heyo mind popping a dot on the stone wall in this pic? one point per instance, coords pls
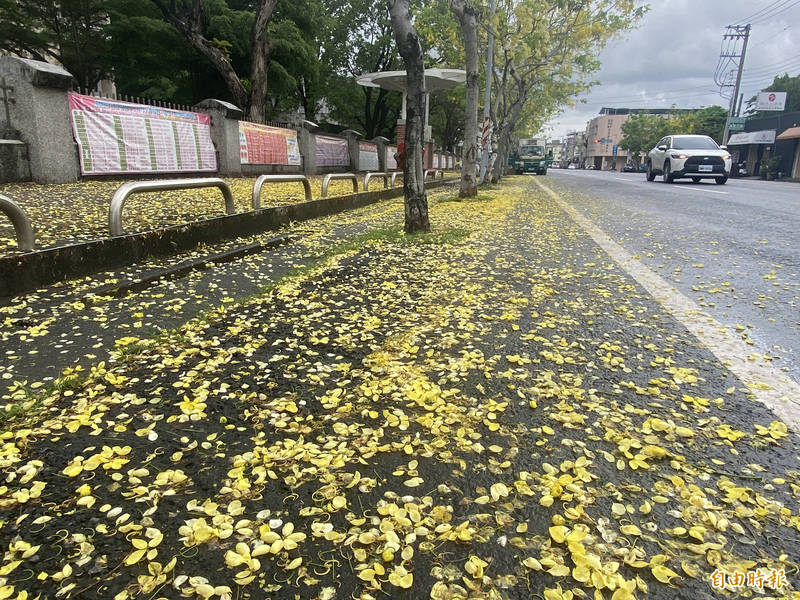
(40, 112)
(14, 165)
(46, 152)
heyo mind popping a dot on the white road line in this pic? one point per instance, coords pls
(686, 187)
(782, 395)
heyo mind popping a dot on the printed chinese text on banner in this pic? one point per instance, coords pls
(264, 145)
(367, 156)
(332, 152)
(123, 137)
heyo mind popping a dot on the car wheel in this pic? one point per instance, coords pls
(667, 174)
(721, 180)
(650, 175)
(696, 179)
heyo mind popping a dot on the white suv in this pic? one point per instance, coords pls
(695, 156)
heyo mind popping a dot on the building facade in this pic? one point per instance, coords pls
(604, 132)
(766, 138)
(575, 148)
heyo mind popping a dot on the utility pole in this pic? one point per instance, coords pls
(735, 33)
(486, 148)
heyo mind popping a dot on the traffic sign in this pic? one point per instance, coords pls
(736, 124)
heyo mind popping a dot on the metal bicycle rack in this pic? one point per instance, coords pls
(136, 187)
(259, 183)
(386, 175)
(397, 174)
(20, 221)
(327, 179)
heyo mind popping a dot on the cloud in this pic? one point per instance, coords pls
(670, 59)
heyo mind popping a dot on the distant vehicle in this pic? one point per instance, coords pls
(572, 166)
(695, 156)
(531, 156)
(629, 168)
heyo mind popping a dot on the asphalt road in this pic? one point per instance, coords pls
(734, 249)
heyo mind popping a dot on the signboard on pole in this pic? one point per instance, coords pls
(124, 137)
(771, 101)
(264, 145)
(736, 123)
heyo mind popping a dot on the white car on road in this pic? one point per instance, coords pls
(695, 156)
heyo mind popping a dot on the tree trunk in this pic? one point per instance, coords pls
(416, 201)
(260, 51)
(468, 18)
(507, 127)
(503, 141)
(189, 23)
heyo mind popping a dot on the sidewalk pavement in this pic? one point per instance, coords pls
(492, 411)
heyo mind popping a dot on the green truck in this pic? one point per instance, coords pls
(530, 156)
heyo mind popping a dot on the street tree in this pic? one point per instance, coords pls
(447, 117)
(358, 41)
(69, 32)
(641, 133)
(781, 83)
(188, 17)
(408, 44)
(468, 16)
(548, 48)
(710, 121)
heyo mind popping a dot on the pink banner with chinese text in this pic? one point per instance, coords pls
(116, 137)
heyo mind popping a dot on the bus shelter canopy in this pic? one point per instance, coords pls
(435, 79)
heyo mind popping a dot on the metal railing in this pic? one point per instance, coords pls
(139, 100)
(20, 221)
(135, 187)
(259, 183)
(386, 176)
(327, 179)
(397, 174)
(433, 173)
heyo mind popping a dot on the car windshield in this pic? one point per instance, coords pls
(680, 142)
(535, 150)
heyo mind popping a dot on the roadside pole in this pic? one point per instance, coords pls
(486, 147)
(740, 32)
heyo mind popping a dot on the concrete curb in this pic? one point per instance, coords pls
(24, 272)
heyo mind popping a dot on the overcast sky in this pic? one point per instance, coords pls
(671, 58)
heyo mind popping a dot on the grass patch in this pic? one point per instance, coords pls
(27, 401)
(481, 197)
(396, 235)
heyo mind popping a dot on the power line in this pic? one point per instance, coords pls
(639, 100)
(770, 37)
(781, 64)
(769, 78)
(772, 15)
(755, 14)
(671, 91)
(770, 12)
